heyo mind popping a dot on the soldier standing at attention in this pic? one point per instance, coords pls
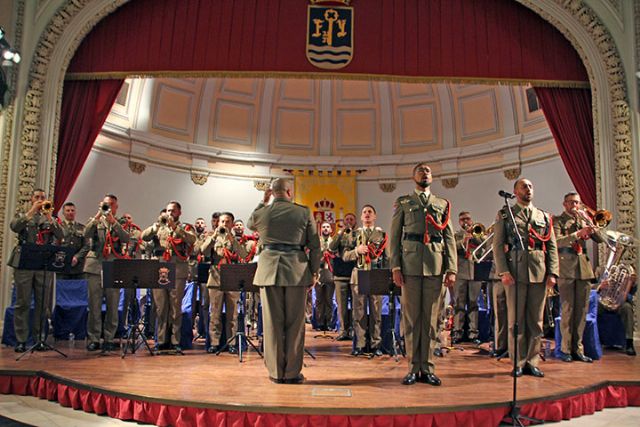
(534, 268)
(574, 284)
(35, 227)
(344, 241)
(74, 238)
(325, 287)
(287, 230)
(423, 254)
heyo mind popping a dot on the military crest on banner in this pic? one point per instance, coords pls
(330, 33)
(163, 276)
(323, 212)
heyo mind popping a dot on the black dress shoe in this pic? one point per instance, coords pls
(566, 357)
(476, 341)
(357, 351)
(20, 347)
(275, 380)
(499, 352)
(517, 372)
(177, 349)
(410, 379)
(456, 340)
(343, 337)
(212, 349)
(533, 371)
(629, 350)
(297, 380)
(108, 346)
(581, 358)
(93, 346)
(377, 352)
(430, 379)
(233, 349)
(438, 352)
(40, 347)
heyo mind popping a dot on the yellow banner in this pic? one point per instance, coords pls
(329, 196)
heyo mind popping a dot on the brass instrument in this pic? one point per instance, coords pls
(105, 209)
(617, 276)
(598, 219)
(47, 207)
(486, 235)
(361, 239)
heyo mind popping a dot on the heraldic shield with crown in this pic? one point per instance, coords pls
(330, 33)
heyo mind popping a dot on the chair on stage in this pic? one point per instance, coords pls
(70, 312)
(611, 329)
(590, 337)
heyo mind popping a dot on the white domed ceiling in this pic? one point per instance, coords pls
(258, 127)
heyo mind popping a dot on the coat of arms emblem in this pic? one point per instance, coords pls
(330, 33)
(163, 276)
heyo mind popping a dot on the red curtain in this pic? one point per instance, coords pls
(85, 107)
(568, 112)
(489, 39)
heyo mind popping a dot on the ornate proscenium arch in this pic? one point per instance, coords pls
(74, 20)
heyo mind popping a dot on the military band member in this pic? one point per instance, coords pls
(107, 242)
(34, 226)
(134, 248)
(250, 245)
(345, 240)
(73, 237)
(534, 268)
(423, 257)
(574, 284)
(625, 311)
(285, 270)
(369, 253)
(466, 289)
(325, 286)
(500, 315)
(176, 242)
(227, 250)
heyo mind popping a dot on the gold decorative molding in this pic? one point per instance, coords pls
(387, 187)
(199, 178)
(512, 173)
(261, 184)
(137, 167)
(450, 183)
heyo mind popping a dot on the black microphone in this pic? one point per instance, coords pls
(506, 195)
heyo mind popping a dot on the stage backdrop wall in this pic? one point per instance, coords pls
(145, 194)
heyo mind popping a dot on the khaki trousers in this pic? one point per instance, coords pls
(362, 323)
(574, 299)
(420, 300)
(30, 284)
(283, 320)
(217, 299)
(342, 298)
(95, 326)
(324, 304)
(500, 319)
(168, 304)
(466, 305)
(531, 298)
(625, 311)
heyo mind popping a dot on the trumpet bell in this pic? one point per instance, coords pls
(47, 206)
(602, 218)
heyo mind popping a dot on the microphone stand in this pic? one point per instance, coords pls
(514, 413)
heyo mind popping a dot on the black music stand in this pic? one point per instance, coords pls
(238, 278)
(138, 274)
(380, 282)
(46, 258)
(197, 301)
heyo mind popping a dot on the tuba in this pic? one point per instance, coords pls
(616, 280)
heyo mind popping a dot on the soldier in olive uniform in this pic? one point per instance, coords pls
(345, 240)
(325, 286)
(285, 270)
(176, 242)
(200, 300)
(73, 237)
(466, 288)
(369, 253)
(574, 284)
(250, 245)
(227, 250)
(34, 227)
(423, 250)
(534, 268)
(107, 241)
(500, 318)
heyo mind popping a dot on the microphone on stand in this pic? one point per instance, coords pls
(506, 195)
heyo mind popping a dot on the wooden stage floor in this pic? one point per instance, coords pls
(337, 383)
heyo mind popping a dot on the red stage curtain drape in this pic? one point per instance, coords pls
(85, 107)
(568, 112)
(490, 39)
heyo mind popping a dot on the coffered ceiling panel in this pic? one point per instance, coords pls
(174, 111)
(233, 123)
(295, 117)
(356, 117)
(415, 119)
(477, 116)
(295, 130)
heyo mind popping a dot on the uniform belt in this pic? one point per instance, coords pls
(567, 251)
(537, 247)
(283, 247)
(420, 237)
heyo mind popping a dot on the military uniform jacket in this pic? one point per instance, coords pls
(74, 238)
(284, 222)
(217, 243)
(28, 229)
(574, 262)
(177, 253)
(134, 247)
(537, 261)
(376, 237)
(339, 244)
(96, 231)
(326, 276)
(466, 266)
(408, 250)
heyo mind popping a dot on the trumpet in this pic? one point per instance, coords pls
(105, 209)
(600, 219)
(47, 207)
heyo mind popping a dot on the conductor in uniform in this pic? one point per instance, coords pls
(423, 253)
(530, 271)
(285, 270)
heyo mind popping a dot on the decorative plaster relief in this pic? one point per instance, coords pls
(450, 183)
(512, 174)
(137, 167)
(387, 187)
(199, 178)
